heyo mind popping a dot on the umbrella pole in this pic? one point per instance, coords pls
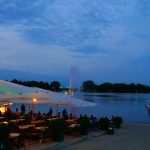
(32, 111)
(73, 110)
(56, 110)
(8, 105)
(29, 108)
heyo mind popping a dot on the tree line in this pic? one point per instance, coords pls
(90, 86)
(52, 86)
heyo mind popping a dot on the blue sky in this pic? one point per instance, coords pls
(106, 40)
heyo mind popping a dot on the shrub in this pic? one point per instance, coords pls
(4, 131)
(104, 123)
(84, 125)
(117, 121)
(57, 128)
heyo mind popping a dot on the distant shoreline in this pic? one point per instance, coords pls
(89, 86)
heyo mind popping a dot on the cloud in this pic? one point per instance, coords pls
(102, 37)
(20, 54)
(59, 23)
(14, 10)
(144, 8)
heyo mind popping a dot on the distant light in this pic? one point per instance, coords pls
(10, 103)
(72, 93)
(34, 99)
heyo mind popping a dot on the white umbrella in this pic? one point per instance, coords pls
(9, 87)
(71, 101)
(55, 97)
(81, 103)
(36, 95)
(6, 86)
(75, 102)
(22, 94)
(67, 99)
(39, 98)
(7, 96)
(34, 98)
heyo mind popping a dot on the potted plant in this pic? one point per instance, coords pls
(117, 121)
(85, 124)
(4, 132)
(57, 128)
(104, 123)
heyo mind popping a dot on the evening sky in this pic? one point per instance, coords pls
(106, 40)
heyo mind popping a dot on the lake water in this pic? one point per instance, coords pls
(131, 107)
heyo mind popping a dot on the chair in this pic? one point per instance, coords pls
(21, 142)
(45, 135)
(16, 143)
(4, 145)
(32, 135)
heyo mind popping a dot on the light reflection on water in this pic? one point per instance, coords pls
(130, 106)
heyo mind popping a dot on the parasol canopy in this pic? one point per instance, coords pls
(81, 103)
(39, 97)
(6, 86)
(6, 96)
(71, 101)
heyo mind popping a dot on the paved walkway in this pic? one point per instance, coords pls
(69, 140)
(132, 136)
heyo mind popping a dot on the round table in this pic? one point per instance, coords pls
(14, 135)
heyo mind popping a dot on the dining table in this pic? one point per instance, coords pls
(41, 128)
(27, 126)
(37, 121)
(14, 135)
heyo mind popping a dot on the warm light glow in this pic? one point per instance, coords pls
(3, 109)
(5, 122)
(34, 99)
(6, 104)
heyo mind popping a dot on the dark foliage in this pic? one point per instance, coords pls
(90, 86)
(57, 128)
(85, 124)
(117, 121)
(4, 131)
(104, 123)
(53, 86)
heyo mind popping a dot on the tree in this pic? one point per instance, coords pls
(55, 86)
(89, 86)
(105, 87)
